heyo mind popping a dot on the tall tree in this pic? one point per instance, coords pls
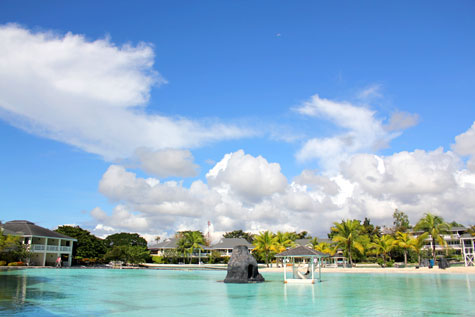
(125, 238)
(188, 241)
(265, 243)
(401, 221)
(403, 240)
(239, 234)
(367, 228)
(314, 242)
(346, 236)
(326, 247)
(436, 227)
(283, 242)
(87, 245)
(196, 241)
(417, 243)
(382, 246)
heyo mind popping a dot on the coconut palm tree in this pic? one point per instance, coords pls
(382, 246)
(188, 241)
(265, 242)
(326, 247)
(195, 240)
(314, 242)
(417, 243)
(283, 242)
(435, 226)
(346, 236)
(403, 240)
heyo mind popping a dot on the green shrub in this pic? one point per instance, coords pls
(3, 263)
(158, 259)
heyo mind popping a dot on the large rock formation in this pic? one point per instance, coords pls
(242, 267)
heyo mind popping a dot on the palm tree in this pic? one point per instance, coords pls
(195, 240)
(417, 243)
(435, 226)
(403, 241)
(283, 242)
(265, 242)
(382, 246)
(314, 242)
(325, 247)
(188, 241)
(346, 236)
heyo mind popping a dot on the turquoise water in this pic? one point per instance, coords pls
(96, 292)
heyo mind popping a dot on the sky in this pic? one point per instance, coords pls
(159, 116)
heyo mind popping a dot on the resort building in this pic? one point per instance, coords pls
(160, 248)
(44, 244)
(458, 240)
(225, 245)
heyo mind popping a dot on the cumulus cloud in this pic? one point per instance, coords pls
(165, 163)
(465, 142)
(368, 186)
(91, 94)
(251, 178)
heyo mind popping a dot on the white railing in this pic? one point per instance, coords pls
(38, 247)
(53, 248)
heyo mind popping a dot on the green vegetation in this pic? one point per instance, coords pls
(239, 234)
(265, 243)
(88, 248)
(132, 254)
(12, 250)
(359, 242)
(436, 227)
(401, 221)
(124, 238)
(189, 241)
(346, 237)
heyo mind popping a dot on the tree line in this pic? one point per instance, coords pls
(359, 241)
(364, 242)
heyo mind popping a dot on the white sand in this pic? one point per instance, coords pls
(389, 270)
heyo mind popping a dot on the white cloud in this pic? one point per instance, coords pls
(165, 163)
(465, 142)
(363, 132)
(368, 186)
(91, 94)
(252, 178)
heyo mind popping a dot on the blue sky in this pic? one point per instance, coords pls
(324, 90)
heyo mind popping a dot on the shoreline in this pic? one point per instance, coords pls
(388, 270)
(470, 270)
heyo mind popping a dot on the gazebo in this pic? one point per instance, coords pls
(312, 256)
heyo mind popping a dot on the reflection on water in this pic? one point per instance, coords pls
(18, 292)
(60, 292)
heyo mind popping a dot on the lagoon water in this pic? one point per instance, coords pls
(98, 292)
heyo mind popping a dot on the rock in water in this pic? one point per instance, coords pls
(242, 267)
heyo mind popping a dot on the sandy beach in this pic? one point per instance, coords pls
(389, 270)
